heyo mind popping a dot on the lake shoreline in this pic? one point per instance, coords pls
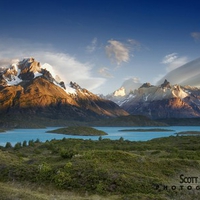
(145, 130)
(19, 135)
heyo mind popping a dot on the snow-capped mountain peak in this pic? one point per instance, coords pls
(163, 101)
(148, 92)
(28, 88)
(29, 64)
(17, 72)
(29, 69)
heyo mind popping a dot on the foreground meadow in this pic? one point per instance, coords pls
(164, 168)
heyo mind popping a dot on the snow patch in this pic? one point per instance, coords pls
(130, 97)
(120, 92)
(49, 68)
(146, 97)
(36, 74)
(70, 90)
(14, 80)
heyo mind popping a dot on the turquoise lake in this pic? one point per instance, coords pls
(19, 135)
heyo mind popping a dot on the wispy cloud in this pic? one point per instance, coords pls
(133, 79)
(173, 61)
(92, 47)
(156, 80)
(177, 63)
(70, 69)
(196, 36)
(169, 58)
(64, 65)
(5, 62)
(134, 44)
(104, 71)
(188, 74)
(117, 51)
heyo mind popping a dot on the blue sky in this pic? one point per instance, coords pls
(101, 43)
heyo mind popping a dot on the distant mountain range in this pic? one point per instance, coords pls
(28, 89)
(164, 101)
(176, 95)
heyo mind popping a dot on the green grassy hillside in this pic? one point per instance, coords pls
(103, 169)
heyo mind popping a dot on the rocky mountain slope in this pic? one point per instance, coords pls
(164, 101)
(28, 88)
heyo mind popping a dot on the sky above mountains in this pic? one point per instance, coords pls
(101, 43)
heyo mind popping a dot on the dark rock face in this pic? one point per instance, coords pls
(62, 84)
(27, 75)
(166, 84)
(47, 75)
(146, 85)
(74, 85)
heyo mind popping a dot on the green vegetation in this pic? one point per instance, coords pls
(79, 130)
(30, 121)
(130, 120)
(146, 130)
(103, 169)
(181, 121)
(189, 133)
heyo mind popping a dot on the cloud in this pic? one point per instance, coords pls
(131, 83)
(187, 74)
(5, 62)
(177, 63)
(70, 69)
(92, 47)
(156, 80)
(133, 79)
(67, 67)
(135, 45)
(104, 71)
(196, 36)
(169, 58)
(173, 61)
(136, 80)
(117, 51)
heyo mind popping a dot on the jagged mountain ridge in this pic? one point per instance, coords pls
(164, 101)
(28, 88)
(24, 71)
(127, 87)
